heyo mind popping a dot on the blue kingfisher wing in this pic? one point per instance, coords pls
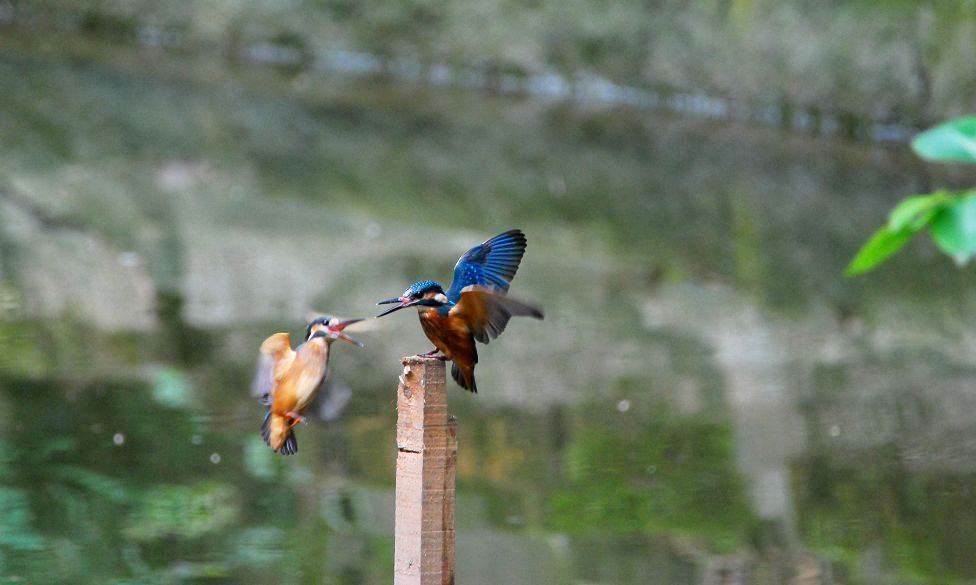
(486, 313)
(491, 264)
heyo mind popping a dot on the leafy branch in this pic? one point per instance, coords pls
(949, 216)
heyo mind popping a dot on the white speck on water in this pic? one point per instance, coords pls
(373, 230)
(118, 438)
(129, 259)
(623, 405)
(834, 431)
(197, 439)
(215, 458)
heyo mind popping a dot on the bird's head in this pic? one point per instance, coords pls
(424, 295)
(329, 329)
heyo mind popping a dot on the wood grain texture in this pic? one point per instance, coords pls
(425, 476)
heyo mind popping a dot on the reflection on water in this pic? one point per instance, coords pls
(707, 401)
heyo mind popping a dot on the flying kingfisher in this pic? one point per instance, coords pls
(474, 308)
(288, 380)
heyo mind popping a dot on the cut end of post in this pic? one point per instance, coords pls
(416, 360)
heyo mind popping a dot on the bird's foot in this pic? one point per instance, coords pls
(434, 353)
(295, 417)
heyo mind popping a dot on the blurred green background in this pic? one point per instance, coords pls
(707, 398)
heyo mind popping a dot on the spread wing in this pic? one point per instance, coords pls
(486, 312)
(274, 359)
(492, 264)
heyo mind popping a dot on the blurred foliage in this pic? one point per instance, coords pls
(171, 388)
(182, 511)
(912, 517)
(20, 350)
(950, 217)
(879, 59)
(255, 148)
(661, 474)
(124, 488)
(17, 533)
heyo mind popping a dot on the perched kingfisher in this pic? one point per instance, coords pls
(474, 308)
(288, 380)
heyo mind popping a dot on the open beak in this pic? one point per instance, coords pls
(404, 303)
(335, 331)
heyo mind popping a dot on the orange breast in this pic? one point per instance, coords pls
(298, 385)
(450, 335)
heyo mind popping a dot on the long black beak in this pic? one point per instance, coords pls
(404, 303)
(336, 331)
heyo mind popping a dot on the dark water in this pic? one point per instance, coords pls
(707, 398)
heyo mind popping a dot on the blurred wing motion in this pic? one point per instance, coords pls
(331, 400)
(492, 264)
(480, 313)
(274, 359)
(486, 312)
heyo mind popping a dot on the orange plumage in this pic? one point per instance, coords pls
(474, 308)
(290, 379)
(480, 314)
(453, 338)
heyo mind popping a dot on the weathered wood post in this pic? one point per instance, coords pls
(425, 473)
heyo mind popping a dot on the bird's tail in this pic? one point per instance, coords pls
(278, 434)
(464, 376)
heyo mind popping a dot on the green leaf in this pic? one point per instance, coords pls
(905, 220)
(954, 141)
(916, 212)
(954, 228)
(879, 248)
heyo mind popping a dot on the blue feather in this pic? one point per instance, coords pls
(492, 263)
(421, 287)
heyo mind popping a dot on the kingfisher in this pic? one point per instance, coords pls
(287, 380)
(474, 308)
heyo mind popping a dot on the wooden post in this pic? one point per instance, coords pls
(425, 472)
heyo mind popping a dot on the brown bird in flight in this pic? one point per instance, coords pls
(288, 380)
